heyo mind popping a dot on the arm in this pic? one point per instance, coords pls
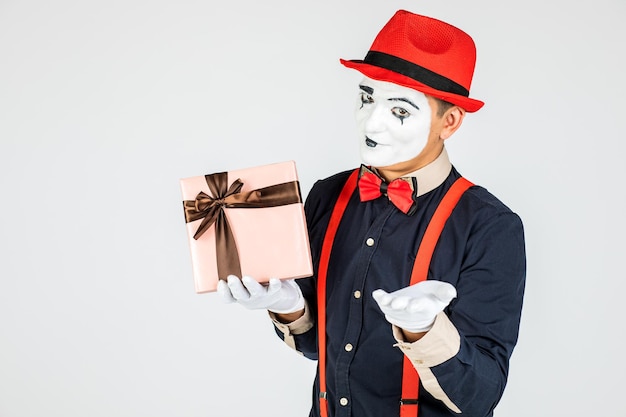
(486, 315)
(289, 317)
(300, 334)
(463, 359)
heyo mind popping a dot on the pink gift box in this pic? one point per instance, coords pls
(268, 226)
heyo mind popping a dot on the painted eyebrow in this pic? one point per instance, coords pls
(368, 90)
(406, 100)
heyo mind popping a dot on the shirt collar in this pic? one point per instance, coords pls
(432, 175)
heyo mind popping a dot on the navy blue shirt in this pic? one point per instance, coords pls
(480, 252)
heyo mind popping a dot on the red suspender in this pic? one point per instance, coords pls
(435, 226)
(331, 231)
(410, 378)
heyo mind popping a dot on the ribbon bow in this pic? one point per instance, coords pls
(211, 210)
(399, 191)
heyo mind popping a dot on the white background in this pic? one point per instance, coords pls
(105, 105)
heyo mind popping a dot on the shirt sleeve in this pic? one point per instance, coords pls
(441, 343)
(288, 331)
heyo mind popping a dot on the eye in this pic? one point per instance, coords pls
(366, 98)
(400, 113)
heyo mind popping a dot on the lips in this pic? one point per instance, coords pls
(370, 143)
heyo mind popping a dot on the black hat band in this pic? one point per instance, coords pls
(415, 72)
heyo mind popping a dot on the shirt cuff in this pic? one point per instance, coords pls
(299, 326)
(442, 342)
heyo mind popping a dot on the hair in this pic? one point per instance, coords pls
(442, 106)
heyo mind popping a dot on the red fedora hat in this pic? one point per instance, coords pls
(425, 54)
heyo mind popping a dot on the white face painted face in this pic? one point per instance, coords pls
(393, 122)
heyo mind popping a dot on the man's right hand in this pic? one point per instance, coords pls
(279, 296)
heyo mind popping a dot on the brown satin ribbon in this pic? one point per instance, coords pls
(211, 210)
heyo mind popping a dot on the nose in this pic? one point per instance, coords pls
(373, 122)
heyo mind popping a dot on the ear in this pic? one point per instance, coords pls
(451, 121)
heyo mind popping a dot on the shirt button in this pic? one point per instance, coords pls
(357, 294)
(348, 347)
(369, 241)
(343, 401)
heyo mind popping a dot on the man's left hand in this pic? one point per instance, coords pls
(414, 308)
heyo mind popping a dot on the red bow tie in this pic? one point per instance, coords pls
(399, 192)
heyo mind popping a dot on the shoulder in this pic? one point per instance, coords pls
(321, 200)
(479, 207)
(326, 191)
(479, 199)
(493, 220)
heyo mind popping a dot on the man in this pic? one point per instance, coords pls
(416, 300)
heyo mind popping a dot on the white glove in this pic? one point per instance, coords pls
(414, 308)
(278, 296)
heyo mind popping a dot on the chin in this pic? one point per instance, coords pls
(376, 161)
(373, 158)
